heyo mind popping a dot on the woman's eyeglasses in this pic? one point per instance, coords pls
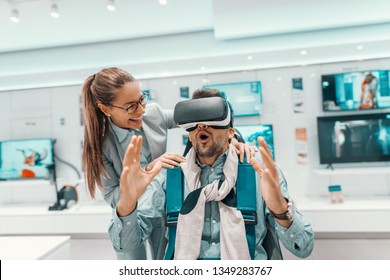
(132, 107)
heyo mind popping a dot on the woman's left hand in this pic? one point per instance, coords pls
(244, 149)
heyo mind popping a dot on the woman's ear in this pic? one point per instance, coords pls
(104, 109)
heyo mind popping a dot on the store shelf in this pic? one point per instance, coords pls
(353, 171)
(355, 214)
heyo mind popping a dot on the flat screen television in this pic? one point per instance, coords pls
(245, 97)
(250, 133)
(26, 159)
(356, 91)
(354, 138)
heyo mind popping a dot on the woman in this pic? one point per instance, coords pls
(114, 111)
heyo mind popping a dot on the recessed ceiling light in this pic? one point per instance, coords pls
(360, 47)
(279, 79)
(174, 82)
(203, 68)
(111, 5)
(15, 16)
(205, 81)
(249, 57)
(303, 52)
(163, 2)
(54, 12)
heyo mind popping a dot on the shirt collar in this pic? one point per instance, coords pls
(121, 133)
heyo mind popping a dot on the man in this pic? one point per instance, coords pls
(209, 226)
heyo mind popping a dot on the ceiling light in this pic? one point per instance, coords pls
(54, 11)
(360, 47)
(163, 2)
(111, 5)
(249, 57)
(14, 16)
(303, 52)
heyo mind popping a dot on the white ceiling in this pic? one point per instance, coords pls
(184, 36)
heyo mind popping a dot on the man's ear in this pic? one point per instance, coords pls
(104, 109)
(231, 132)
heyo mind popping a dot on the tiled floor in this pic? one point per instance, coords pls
(324, 249)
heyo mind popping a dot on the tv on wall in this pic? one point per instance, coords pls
(250, 133)
(26, 159)
(245, 97)
(356, 91)
(354, 138)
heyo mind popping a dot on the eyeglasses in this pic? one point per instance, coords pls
(134, 105)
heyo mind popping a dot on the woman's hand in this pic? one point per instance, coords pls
(269, 181)
(168, 160)
(134, 180)
(244, 149)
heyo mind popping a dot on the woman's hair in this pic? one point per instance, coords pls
(98, 88)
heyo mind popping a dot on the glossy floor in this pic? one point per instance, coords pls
(324, 249)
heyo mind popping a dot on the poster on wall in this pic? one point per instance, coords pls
(301, 145)
(298, 95)
(185, 92)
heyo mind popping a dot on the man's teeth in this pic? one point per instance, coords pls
(136, 119)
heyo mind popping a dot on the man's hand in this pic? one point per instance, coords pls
(270, 189)
(134, 180)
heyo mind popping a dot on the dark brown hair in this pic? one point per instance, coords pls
(98, 88)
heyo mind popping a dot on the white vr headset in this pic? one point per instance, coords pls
(212, 111)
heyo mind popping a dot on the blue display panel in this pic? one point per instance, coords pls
(26, 159)
(245, 97)
(250, 133)
(354, 138)
(356, 91)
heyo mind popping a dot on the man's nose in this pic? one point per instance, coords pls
(202, 126)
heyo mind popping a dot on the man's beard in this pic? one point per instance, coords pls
(215, 149)
(208, 151)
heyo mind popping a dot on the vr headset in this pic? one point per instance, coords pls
(212, 111)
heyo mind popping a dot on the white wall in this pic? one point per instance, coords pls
(55, 103)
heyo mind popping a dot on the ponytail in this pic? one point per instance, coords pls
(96, 128)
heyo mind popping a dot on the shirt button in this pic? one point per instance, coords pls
(128, 223)
(212, 169)
(282, 231)
(214, 221)
(213, 243)
(292, 235)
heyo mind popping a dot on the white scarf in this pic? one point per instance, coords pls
(190, 225)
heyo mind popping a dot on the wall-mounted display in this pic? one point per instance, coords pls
(356, 91)
(26, 159)
(298, 95)
(354, 138)
(301, 145)
(245, 97)
(250, 133)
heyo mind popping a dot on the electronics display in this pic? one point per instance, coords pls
(245, 97)
(354, 138)
(356, 91)
(26, 159)
(251, 132)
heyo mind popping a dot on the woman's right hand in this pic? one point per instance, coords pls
(168, 160)
(134, 180)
